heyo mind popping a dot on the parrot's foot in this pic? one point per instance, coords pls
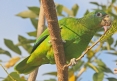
(73, 61)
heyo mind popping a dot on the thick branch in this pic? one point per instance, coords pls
(40, 29)
(50, 13)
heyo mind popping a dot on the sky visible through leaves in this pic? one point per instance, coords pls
(11, 26)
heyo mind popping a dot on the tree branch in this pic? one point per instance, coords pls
(57, 44)
(40, 29)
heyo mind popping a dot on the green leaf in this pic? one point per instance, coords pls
(59, 9)
(78, 66)
(110, 41)
(100, 62)
(110, 32)
(27, 47)
(15, 76)
(75, 9)
(25, 43)
(27, 14)
(95, 3)
(11, 46)
(69, 12)
(51, 79)
(112, 53)
(112, 79)
(34, 33)
(102, 67)
(113, 1)
(98, 76)
(93, 67)
(34, 22)
(86, 12)
(5, 52)
(34, 9)
(51, 73)
(115, 44)
(23, 40)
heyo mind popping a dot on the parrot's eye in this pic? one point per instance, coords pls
(99, 14)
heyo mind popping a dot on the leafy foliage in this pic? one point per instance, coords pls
(107, 44)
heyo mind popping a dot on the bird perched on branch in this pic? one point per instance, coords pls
(76, 35)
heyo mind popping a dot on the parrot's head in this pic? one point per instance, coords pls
(101, 19)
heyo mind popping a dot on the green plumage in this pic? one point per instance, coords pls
(76, 32)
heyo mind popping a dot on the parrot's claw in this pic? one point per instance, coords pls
(73, 61)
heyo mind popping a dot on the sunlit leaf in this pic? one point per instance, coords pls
(98, 76)
(69, 12)
(34, 22)
(75, 9)
(15, 76)
(2, 51)
(11, 46)
(34, 9)
(59, 9)
(72, 77)
(12, 62)
(112, 79)
(90, 54)
(27, 14)
(93, 67)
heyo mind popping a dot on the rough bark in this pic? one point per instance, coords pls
(57, 44)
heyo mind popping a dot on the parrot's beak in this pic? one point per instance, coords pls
(106, 22)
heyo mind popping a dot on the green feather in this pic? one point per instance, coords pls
(76, 32)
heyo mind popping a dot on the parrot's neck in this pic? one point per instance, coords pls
(90, 23)
(88, 27)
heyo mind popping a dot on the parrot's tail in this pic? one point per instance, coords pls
(24, 68)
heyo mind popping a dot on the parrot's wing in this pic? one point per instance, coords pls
(25, 68)
(42, 37)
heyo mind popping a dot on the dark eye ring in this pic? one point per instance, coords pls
(99, 14)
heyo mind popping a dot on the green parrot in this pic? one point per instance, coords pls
(76, 35)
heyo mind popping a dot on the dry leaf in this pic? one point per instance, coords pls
(12, 62)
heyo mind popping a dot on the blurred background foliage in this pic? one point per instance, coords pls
(107, 45)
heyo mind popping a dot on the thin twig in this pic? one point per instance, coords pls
(84, 53)
(40, 29)
(7, 73)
